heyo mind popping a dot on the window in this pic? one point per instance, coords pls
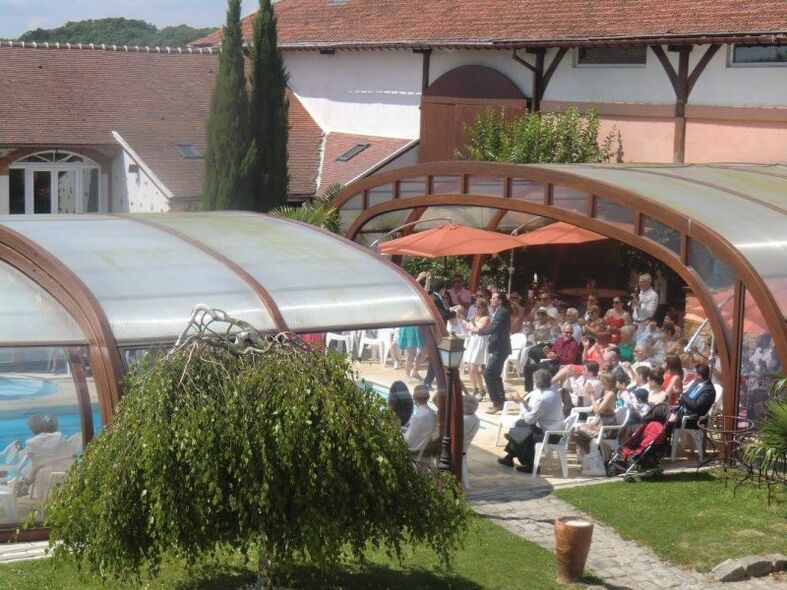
(352, 152)
(188, 151)
(54, 182)
(758, 55)
(611, 56)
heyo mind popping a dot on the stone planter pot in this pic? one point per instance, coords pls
(573, 535)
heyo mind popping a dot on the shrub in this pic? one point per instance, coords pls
(539, 138)
(279, 452)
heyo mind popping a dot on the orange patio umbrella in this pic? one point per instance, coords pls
(449, 240)
(559, 233)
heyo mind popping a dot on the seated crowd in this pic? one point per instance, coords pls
(581, 358)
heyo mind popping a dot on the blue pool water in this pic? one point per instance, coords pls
(24, 388)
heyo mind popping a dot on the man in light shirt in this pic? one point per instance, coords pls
(543, 411)
(644, 304)
(423, 422)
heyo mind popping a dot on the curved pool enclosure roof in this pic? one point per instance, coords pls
(138, 277)
(721, 227)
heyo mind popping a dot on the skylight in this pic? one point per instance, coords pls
(188, 151)
(352, 152)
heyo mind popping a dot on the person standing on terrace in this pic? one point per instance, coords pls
(457, 294)
(645, 301)
(499, 332)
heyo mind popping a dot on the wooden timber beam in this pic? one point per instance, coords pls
(682, 84)
(540, 77)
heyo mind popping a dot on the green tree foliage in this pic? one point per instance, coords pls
(769, 450)
(319, 212)
(539, 138)
(231, 152)
(279, 452)
(117, 31)
(269, 119)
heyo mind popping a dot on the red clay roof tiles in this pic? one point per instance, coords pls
(417, 23)
(337, 144)
(77, 97)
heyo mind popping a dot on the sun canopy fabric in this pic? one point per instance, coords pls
(147, 272)
(559, 233)
(449, 240)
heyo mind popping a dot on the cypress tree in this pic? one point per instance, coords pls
(231, 153)
(269, 121)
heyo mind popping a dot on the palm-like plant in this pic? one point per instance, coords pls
(769, 451)
(319, 212)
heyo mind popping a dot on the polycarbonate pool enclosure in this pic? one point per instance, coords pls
(84, 295)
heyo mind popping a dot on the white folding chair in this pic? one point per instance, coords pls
(508, 418)
(344, 338)
(518, 342)
(8, 456)
(605, 434)
(560, 446)
(694, 433)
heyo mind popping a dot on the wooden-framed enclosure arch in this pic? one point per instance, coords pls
(624, 203)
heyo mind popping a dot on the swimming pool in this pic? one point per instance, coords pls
(25, 388)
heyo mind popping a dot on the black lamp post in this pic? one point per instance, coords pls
(451, 351)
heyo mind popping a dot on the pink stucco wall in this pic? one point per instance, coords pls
(736, 141)
(644, 139)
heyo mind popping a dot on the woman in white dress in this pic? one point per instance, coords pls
(476, 346)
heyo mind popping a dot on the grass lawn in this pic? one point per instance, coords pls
(492, 558)
(688, 519)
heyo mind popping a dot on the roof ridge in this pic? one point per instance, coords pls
(113, 48)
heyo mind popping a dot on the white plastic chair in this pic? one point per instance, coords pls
(694, 433)
(577, 410)
(604, 434)
(8, 456)
(518, 342)
(8, 501)
(507, 418)
(560, 447)
(382, 339)
(345, 338)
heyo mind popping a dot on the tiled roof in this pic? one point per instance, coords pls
(77, 97)
(304, 144)
(414, 23)
(336, 144)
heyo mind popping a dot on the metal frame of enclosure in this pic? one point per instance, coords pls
(97, 289)
(721, 228)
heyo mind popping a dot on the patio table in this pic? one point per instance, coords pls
(724, 434)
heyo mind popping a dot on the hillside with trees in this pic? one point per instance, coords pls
(117, 31)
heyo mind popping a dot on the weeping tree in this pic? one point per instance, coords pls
(255, 444)
(269, 119)
(231, 153)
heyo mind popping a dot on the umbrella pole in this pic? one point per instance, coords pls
(445, 266)
(510, 270)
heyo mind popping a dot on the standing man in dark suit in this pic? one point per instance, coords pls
(499, 332)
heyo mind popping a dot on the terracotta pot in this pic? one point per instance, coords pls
(573, 535)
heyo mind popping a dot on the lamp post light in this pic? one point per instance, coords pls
(451, 351)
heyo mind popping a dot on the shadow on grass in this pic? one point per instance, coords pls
(353, 578)
(215, 578)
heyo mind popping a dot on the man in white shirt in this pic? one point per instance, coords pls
(543, 411)
(423, 423)
(644, 304)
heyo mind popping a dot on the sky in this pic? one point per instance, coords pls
(18, 16)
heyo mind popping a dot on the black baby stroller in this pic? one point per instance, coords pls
(641, 455)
